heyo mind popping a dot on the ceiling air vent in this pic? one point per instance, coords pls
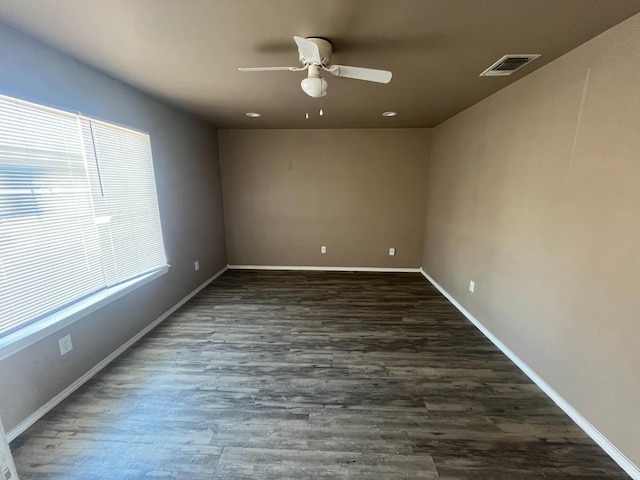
(509, 64)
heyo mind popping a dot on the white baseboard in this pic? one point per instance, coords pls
(617, 456)
(323, 269)
(38, 414)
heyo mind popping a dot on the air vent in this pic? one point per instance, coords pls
(509, 64)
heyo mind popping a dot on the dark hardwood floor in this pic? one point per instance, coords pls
(311, 375)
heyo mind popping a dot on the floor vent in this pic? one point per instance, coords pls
(509, 64)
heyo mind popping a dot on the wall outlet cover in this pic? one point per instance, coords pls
(323, 249)
(472, 286)
(196, 265)
(392, 251)
(65, 344)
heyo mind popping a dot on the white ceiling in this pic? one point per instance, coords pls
(188, 52)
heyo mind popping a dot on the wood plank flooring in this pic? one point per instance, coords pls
(311, 375)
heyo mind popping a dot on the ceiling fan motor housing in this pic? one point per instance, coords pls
(325, 47)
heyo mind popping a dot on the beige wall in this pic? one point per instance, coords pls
(534, 194)
(287, 192)
(189, 197)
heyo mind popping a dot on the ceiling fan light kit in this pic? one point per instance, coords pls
(314, 54)
(314, 85)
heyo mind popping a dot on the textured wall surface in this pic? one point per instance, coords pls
(287, 192)
(190, 200)
(534, 194)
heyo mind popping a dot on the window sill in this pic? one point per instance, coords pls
(34, 332)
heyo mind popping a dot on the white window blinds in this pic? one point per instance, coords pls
(121, 172)
(78, 209)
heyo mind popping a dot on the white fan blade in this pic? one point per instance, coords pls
(360, 73)
(308, 50)
(267, 69)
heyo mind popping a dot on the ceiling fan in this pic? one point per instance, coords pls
(315, 56)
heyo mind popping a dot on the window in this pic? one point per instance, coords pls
(78, 210)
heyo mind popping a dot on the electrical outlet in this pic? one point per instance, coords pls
(392, 251)
(472, 286)
(196, 265)
(323, 249)
(65, 345)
